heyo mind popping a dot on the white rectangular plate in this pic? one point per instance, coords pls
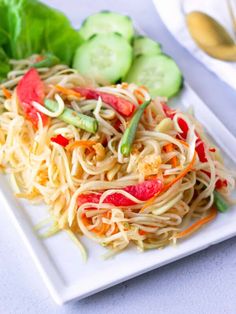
(58, 259)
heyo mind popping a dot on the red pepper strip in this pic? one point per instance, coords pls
(61, 140)
(170, 113)
(142, 191)
(219, 183)
(29, 89)
(200, 147)
(117, 125)
(121, 105)
(212, 150)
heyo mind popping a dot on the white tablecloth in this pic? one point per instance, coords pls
(202, 283)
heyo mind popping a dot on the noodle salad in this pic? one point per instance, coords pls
(111, 163)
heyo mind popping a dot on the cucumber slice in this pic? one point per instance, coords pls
(145, 46)
(159, 73)
(107, 22)
(104, 57)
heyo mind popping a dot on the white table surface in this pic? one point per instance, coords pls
(202, 283)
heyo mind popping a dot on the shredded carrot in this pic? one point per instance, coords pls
(85, 220)
(139, 95)
(67, 91)
(182, 174)
(87, 144)
(99, 231)
(197, 225)
(6, 92)
(183, 142)
(144, 87)
(169, 148)
(124, 85)
(104, 228)
(39, 58)
(116, 230)
(149, 202)
(174, 162)
(142, 232)
(138, 92)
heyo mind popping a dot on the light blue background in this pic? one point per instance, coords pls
(202, 283)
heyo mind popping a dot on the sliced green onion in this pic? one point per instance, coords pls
(220, 203)
(49, 61)
(70, 116)
(129, 135)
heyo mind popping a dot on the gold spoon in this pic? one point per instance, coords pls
(211, 36)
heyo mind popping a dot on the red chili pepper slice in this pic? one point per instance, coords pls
(169, 112)
(184, 127)
(142, 191)
(117, 125)
(221, 183)
(61, 140)
(212, 150)
(200, 147)
(29, 89)
(121, 105)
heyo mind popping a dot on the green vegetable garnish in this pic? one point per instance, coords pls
(48, 61)
(70, 116)
(220, 203)
(129, 135)
(29, 26)
(4, 64)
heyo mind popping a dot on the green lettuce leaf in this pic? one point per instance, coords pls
(30, 26)
(4, 64)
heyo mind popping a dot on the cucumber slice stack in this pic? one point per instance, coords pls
(108, 56)
(145, 46)
(107, 22)
(157, 72)
(104, 57)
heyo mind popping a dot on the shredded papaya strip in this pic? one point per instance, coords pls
(169, 148)
(197, 225)
(67, 91)
(6, 92)
(87, 144)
